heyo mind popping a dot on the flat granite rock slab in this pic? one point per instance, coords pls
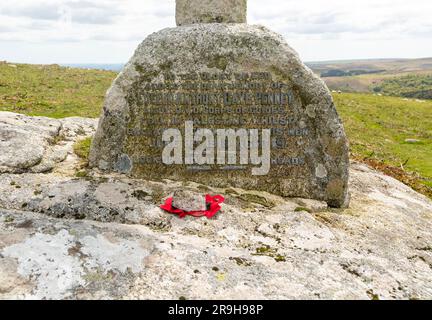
(379, 248)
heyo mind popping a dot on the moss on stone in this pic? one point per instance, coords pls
(158, 194)
(57, 139)
(267, 251)
(279, 258)
(219, 62)
(204, 188)
(9, 219)
(81, 174)
(82, 148)
(264, 250)
(301, 209)
(140, 194)
(241, 261)
(372, 295)
(334, 190)
(253, 198)
(97, 277)
(231, 191)
(166, 66)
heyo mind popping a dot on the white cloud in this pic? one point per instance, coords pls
(331, 29)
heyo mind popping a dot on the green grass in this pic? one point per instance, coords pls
(378, 126)
(53, 91)
(82, 148)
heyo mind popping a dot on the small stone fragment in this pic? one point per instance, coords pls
(189, 201)
(412, 141)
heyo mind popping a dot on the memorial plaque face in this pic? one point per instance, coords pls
(218, 126)
(238, 110)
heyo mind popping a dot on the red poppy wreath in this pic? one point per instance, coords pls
(213, 207)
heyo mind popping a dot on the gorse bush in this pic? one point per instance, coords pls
(411, 86)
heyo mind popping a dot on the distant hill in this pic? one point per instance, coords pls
(96, 66)
(384, 66)
(341, 67)
(409, 78)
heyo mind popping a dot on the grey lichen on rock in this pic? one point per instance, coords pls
(210, 11)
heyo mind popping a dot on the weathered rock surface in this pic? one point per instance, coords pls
(37, 144)
(261, 246)
(189, 201)
(210, 11)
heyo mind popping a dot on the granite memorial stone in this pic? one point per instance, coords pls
(223, 103)
(210, 11)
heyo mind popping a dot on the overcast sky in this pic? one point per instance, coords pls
(108, 31)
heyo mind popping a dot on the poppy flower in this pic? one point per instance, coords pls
(213, 207)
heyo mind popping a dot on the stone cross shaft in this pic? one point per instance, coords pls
(210, 11)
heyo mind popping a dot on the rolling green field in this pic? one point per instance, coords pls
(407, 85)
(52, 91)
(416, 86)
(386, 66)
(377, 126)
(408, 78)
